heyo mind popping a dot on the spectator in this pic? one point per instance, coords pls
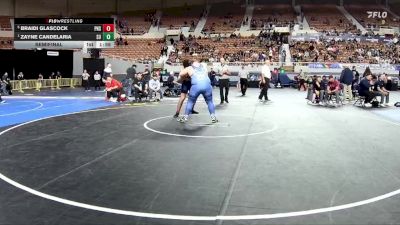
(367, 72)
(97, 80)
(155, 87)
(302, 80)
(317, 89)
(113, 88)
(333, 88)
(364, 89)
(85, 80)
(140, 87)
(355, 72)
(212, 74)
(107, 71)
(346, 79)
(6, 84)
(380, 90)
(324, 88)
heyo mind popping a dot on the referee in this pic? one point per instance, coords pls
(224, 82)
(243, 81)
(265, 79)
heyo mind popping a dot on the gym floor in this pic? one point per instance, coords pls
(281, 162)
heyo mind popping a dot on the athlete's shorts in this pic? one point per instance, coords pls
(186, 85)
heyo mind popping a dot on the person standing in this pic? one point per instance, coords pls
(264, 82)
(212, 75)
(107, 71)
(186, 84)
(130, 75)
(201, 85)
(7, 84)
(346, 79)
(97, 78)
(302, 80)
(224, 82)
(85, 80)
(243, 80)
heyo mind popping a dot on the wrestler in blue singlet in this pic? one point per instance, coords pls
(201, 85)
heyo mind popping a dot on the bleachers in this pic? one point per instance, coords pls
(136, 22)
(327, 18)
(6, 42)
(277, 14)
(344, 52)
(395, 7)
(360, 13)
(183, 16)
(5, 22)
(137, 49)
(224, 18)
(232, 49)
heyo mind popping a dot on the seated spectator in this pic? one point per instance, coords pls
(324, 88)
(317, 89)
(333, 88)
(155, 87)
(113, 89)
(380, 90)
(140, 87)
(364, 89)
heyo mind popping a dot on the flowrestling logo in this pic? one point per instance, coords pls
(380, 15)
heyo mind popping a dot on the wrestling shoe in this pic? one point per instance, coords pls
(183, 119)
(194, 112)
(176, 115)
(214, 119)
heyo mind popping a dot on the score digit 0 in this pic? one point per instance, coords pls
(108, 27)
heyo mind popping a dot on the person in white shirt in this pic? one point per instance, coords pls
(243, 81)
(155, 87)
(107, 71)
(224, 82)
(85, 80)
(97, 78)
(264, 82)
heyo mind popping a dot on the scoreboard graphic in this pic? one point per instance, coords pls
(63, 33)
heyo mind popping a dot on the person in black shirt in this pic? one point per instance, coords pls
(317, 89)
(146, 74)
(380, 90)
(212, 74)
(364, 89)
(355, 72)
(141, 87)
(7, 88)
(324, 87)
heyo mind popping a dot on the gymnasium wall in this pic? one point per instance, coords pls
(7, 7)
(40, 7)
(76, 7)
